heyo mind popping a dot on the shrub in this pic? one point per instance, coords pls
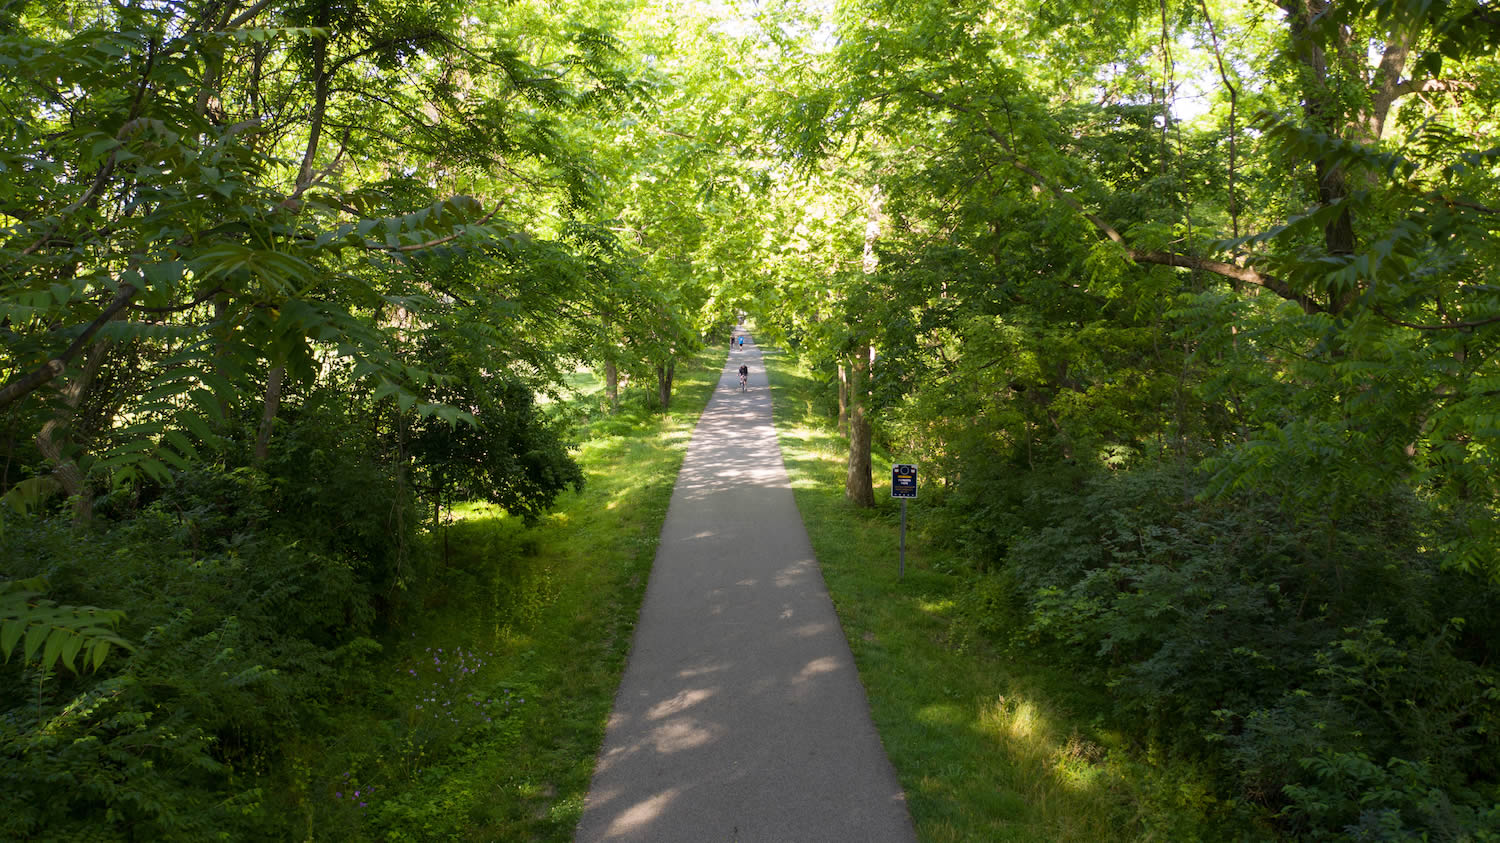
(243, 632)
(1331, 671)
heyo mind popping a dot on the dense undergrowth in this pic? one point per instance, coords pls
(1217, 666)
(310, 659)
(1335, 675)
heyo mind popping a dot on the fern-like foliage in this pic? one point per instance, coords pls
(77, 636)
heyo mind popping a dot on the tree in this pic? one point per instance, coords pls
(233, 198)
(996, 125)
(1107, 327)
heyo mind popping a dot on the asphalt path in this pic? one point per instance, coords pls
(740, 716)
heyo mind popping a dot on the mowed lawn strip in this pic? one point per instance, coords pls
(987, 747)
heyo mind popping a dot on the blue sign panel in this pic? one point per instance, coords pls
(903, 481)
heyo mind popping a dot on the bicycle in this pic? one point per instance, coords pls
(742, 383)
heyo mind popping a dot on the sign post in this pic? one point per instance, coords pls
(903, 486)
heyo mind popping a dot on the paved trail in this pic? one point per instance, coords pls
(740, 716)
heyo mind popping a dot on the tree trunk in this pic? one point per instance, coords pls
(49, 439)
(398, 506)
(611, 368)
(858, 485)
(319, 111)
(12, 432)
(268, 413)
(843, 400)
(1321, 106)
(305, 175)
(664, 375)
(223, 333)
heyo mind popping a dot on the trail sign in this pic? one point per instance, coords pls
(903, 481)
(903, 486)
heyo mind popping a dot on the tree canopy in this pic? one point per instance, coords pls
(1190, 307)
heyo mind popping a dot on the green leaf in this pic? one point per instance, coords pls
(181, 443)
(57, 639)
(194, 422)
(98, 651)
(36, 634)
(100, 147)
(155, 469)
(29, 493)
(163, 276)
(10, 633)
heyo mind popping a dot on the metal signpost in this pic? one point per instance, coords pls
(903, 486)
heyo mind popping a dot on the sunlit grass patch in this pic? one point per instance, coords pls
(474, 509)
(942, 714)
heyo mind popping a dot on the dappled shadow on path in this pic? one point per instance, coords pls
(741, 715)
(756, 746)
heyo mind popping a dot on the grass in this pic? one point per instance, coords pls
(542, 617)
(987, 746)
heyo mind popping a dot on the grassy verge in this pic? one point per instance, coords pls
(492, 703)
(987, 746)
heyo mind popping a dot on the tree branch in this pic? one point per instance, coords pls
(19, 388)
(249, 14)
(108, 167)
(292, 202)
(1446, 326)
(1233, 271)
(1448, 86)
(320, 107)
(414, 247)
(1221, 268)
(1234, 104)
(197, 300)
(1460, 203)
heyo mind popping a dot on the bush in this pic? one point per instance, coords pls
(1350, 797)
(334, 484)
(1332, 672)
(244, 630)
(253, 598)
